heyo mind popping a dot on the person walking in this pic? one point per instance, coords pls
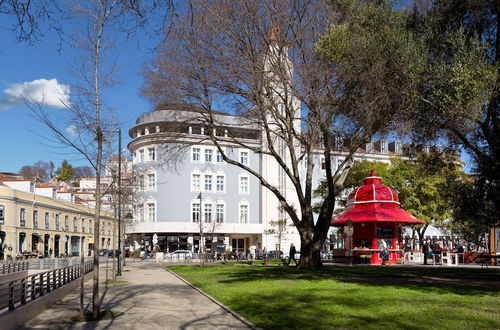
(384, 254)
(291, 255)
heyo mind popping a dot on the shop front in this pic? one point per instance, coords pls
(46, 249)
(75, 246)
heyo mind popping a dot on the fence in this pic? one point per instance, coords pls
(13, 267)
(24, 290)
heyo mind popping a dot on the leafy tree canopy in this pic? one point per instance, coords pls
(65, 172)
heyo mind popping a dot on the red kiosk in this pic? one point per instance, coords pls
(373, 213)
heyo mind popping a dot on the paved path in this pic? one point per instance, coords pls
(151, 298)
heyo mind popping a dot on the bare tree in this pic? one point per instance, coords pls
(98, 26)
(260, 60)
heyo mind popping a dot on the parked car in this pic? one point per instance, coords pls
(182, 254)
(273, 254)
(103, 252)
(117, 252)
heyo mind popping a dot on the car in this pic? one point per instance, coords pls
(182, 254)
(103, 252)
(273, 254)
(117, 252)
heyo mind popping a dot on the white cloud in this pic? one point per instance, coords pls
(48, 92)
(71, 129)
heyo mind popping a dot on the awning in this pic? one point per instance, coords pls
(57, 236)
(47, 235)
(35, 235)
(375, 213)
(22, 234)
(2, 233)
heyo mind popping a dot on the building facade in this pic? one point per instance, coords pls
(30, 222)
(185, 191)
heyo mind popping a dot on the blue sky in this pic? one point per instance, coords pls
(33, 68)
(27, 67)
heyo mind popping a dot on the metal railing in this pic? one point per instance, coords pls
(25, 290)
(13, 267)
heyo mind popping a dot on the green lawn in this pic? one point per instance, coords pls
(354, 297)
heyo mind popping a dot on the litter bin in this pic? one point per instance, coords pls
(265, 260)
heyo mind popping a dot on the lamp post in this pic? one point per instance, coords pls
(119, 268)
(200, 222)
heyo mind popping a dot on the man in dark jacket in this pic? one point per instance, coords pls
(292, 254)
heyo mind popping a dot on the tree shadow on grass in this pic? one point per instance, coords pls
(355, 307)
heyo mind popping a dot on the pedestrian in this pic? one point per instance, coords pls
(384, 254)
(292, 254)
(426, 250)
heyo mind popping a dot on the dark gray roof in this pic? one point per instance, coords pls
(185, 107)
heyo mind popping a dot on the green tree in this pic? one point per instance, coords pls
(460, 88)
(65, 172)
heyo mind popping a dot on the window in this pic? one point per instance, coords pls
(141, 182)
(58, 222)
(151, 181)
(75, 224)
(220, 213)
(323, 163)
(208, 182)
(151, 212)
(208, 212)
(47, 220)
(66, 223)
(244, 157)
(141, 156)
(208, 155)
(109, 228)
(2, 215)
(195, 182)
(369, 147)
(384, 147)
(398, 147)
(140, 212)
(151, 154)
(90, 226)
(243, 184)
(196, 155)
(83, 225)
(22, 218)
(243, 213)
(220, 183)
(219, 157)
(196, 213)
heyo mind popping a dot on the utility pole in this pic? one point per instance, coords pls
(119, 268)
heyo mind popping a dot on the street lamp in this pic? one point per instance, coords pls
(200, 197)
(119, 268)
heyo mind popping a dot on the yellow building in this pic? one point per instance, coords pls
(31, 222)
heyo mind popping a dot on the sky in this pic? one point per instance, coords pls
(41, 72)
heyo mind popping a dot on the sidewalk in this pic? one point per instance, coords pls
(151, 298)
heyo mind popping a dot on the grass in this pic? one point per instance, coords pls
(105, 315)
(354, 297)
